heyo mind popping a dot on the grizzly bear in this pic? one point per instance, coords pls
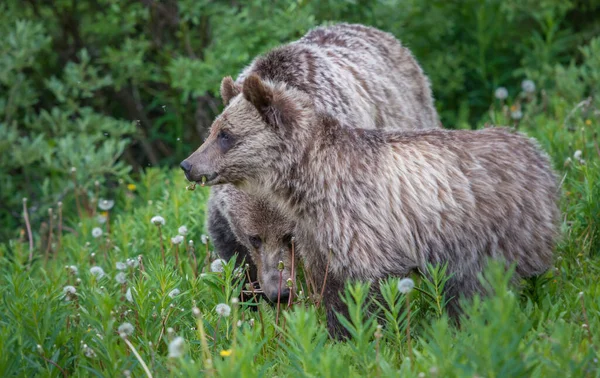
(354, 72)
(376, 203)
(238, 222)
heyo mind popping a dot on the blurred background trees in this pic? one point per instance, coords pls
(103, 88)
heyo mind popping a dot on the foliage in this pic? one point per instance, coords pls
(108, 86)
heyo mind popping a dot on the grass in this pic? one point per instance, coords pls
(131, 324)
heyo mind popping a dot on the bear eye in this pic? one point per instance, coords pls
(225, 140)
(255, 241)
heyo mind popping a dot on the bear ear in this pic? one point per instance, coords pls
(274, 106)
(228, 90)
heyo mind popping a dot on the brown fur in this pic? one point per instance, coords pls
(390, 202)
(352, 71)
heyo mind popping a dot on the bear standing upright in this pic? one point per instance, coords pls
(372, 203)
(354, 72)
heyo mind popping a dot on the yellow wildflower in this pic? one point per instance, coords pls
(226, 353)
(131, 187)
(588, 122)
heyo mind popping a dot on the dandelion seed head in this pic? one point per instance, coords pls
(196, 312)
(121, 265)
(101, 219)
(96, 232)
(234, 300)
(97, 271)
(501, 93)
(121, 277)
(177, 239)
(217, 265)
(73, 269)
(406, 285)
(204, 239)
(69, 290)
(577, 155)
(528, 86)
(173, 293)
(134, 263)
(516, 114)
(158, 220)
(105, 204)
(128, 295)
(223, 309)
(125, 329)
(182, 230)
(177, 347)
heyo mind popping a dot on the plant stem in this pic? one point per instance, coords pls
(28, 226)
(139, 358)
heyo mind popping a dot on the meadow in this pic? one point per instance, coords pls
(114, 292)
(105, 267)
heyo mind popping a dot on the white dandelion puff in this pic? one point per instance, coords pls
(125, 329)
(577, 155)
(101, 219)
(173, 293)
(406, 285)
(69, 290)
(121, 265)
(528, 86)
(182, 230)
(89, 352)
(501, 93)
(217, 265)
(223, 309)
(105, 204)
(177, 347)
(121, 277)
(128, 295)
(134, 263)
(96, 232)
(73, 269)
(196, 312)
(97, 271)
(516, 114)
(177, 239)
(204, 239)
(158, 220)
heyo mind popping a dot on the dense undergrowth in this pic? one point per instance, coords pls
(100, 298)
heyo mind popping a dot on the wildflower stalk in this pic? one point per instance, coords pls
(292, 274)
(76, 192)
(207, 257)
(96, 196)
(192, 253)
(50, 227)
(262, 324)
(137, 355)
(587, 322)
(408, 340)
(107, 221)
(280, 267)
(164, 324)
(205, 351)
(162, 247)
(60, 225)
(28, 226)
(177, 256)
(63, 372)
(324, 279)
